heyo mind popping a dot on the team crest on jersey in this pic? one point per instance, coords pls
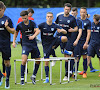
(98, 27)
(68, 21)
(2, 22)
(52, 29)
(84, 23)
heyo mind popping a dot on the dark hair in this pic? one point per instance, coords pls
(23, 13)
(84, 8)
(2, 5)
(30, 10)
(96, 16)
(74, 9)
(68, 5)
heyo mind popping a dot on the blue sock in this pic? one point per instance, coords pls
(66, 68)
(8, 69)
(91, 67)
(47, 71)
(71, 65)
(22, 70)
(36, 69)
(85, 65)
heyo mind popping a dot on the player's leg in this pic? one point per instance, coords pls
(63, 40)
(37, 63)
(6, 54)
(25, 53)
(54, 55)
(84, 66)
(3, 67)
(24, 60)
(1, 78)
(46, 71)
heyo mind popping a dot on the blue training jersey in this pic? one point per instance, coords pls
(4, 34)
(27, 30)
(95, 33)
(66, 23)
(75, 34)
(47, 32)
(86, 25)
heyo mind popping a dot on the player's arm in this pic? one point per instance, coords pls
(73, 29)
(87, 39)
(37, 31)
(15, 35)
(78, 37)
(10, 30)
(14, 38)
(61, 31)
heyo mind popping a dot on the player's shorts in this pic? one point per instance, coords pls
(47, 48)
(69, 46)
(35, 51)
(6, 53)
(78, 51)
(94, 49)
(21, 41)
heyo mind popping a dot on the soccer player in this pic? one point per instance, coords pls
(6, 27)
(94, 45)
(30, 14)
(29, 31)
(76, 35)
(67, 22)
(3, 65)
(84, 40)
(49, 42)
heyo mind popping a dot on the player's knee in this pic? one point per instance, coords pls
(23, 62)
(37, 62)
(7, 63)
(64, 39)
(46, 63)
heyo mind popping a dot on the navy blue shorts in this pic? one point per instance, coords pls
(35, 51)
(92, 50)
(6, 53)
(69, 46)
(78, 51)
(47, 48)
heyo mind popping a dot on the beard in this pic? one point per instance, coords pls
(66, 14)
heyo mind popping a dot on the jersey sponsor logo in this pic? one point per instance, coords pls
(2, 22)
(62, 25)
(28, 30)
(68, 21)
(95, 30)
(48, 34)
(1, 28)
(52, 29)
(44, 28)
(60, 20)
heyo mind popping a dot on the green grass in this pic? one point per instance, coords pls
(92, 78)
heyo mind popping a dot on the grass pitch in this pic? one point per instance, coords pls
(92, 82)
